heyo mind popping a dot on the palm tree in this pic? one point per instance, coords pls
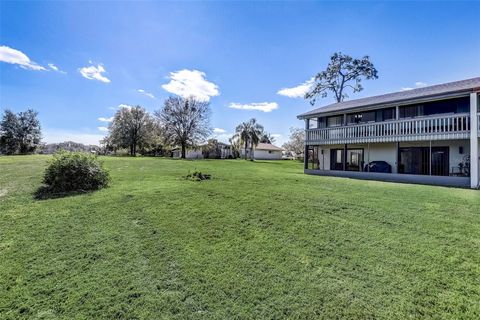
(267, 138)
(242, 134)
(256, 133)
(249, 133)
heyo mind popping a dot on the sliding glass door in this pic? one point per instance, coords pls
(418, 160)
(354, 160)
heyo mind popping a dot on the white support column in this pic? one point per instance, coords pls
(474, 178)
(305, 152)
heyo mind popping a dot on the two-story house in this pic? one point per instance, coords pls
(426, 135)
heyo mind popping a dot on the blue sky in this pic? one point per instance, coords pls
(239, 55)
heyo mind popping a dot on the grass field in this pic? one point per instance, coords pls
(260, 240)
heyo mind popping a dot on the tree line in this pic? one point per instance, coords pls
(181, 122)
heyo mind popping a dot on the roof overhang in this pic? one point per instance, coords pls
(418, 95)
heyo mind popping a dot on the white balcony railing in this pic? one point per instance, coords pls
(426, 128)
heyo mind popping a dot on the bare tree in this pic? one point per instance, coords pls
(186, 122)
(296, 141)
(132, 128)
(342, 72)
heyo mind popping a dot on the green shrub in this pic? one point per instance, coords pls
(75, 171)
(198, 176)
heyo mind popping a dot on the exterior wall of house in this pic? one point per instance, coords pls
(267, 155)
(388, 152)
(263, 154)
(378, 152)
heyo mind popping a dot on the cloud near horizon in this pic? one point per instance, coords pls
(13, 56)
(61, 135)
(418, 84)
(191, 83)
(261, 106)
(94, 73)
(298, 91)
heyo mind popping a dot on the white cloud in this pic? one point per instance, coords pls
(55, 68)
(94, 73)
(298, 91)
(60, 135)
(219, 130)
(103, 129)
(148, 94)
(102, 119)
(418, 84)
(186, 83)
(276, 135)
(124, 106)
(223, 137)
(262, 106)
(13, 56)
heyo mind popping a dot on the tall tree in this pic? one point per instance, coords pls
(342, 72)
(20, 133)
(29, 134)
(8, 133)
(186, 122)
(131, 128)
(295, 141)
(249, 133)
(242, 135)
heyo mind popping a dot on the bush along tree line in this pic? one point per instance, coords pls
(20, 133)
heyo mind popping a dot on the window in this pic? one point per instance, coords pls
(371, 116)
(335, 121)
(411, 111)
(385, 114)
(448, 106)
(312, 123)
(322, 122)
(355, 159)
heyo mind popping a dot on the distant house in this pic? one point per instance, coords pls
(220, 151)
(264, 151)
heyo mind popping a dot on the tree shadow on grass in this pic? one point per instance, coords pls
(45, 193)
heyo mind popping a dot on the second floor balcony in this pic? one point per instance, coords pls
(446, 127)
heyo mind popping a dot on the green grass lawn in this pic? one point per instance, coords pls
(260, 240)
